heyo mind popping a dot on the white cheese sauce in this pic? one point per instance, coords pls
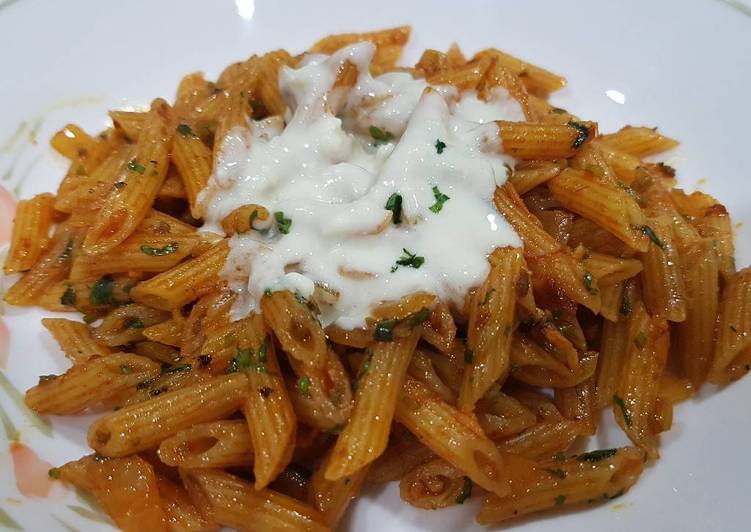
(327, 174)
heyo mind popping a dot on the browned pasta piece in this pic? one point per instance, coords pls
(31, 226)
(491, 322)
(217, 444)
(88, 384)
(528, 175)
(125, 487)
(544, 439)
(75, 339)
(332, 497)
(180, 512)
(607, 205)
(578, 403)
(537, 486)
(235, 503)
(143, 425)
(733, 326)
(528, 140)
(639, 141)
(453, 435)
(537, 80)
(296, 327)
(185, 282)
(379, 382)
(403, 453)
(435, 484)
(127, 205)
(662, 278)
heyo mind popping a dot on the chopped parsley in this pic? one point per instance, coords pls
(185, 130)
(596, 456)
(559, 473)
(282, 223)
(625, 309)
(469, 356)
(175, 369)
(53, 473)
(408, 259)
(588, 280)
(558, 111)
(439, 146)
(243, 360)
(262, 351)
(133, 166)
(641, 340)
(560, 500)
(379, 135)
(582, 133)
(365, 366)
(126, 370)
(394, 204)
(69, 297)
(466, 492)
(418, 317)
(624, 412)
(303, 386)
(652, 236)
(134, 323)
(440, 199)
(159, 252)
(102, 292)
(384, 330)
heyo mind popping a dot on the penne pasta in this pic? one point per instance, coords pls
(31, 226)
(75, 339)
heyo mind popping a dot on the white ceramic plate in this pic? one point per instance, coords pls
(683, 66)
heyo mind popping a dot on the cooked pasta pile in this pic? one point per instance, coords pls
(624, 297)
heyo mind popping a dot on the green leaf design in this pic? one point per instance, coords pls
(40, 423)
(66, 526)
(8, 522)
(89, 514)
(11, 432)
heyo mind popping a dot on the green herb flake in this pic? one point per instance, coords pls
(652, 236)
(133, 166)
(126, 370)
(384, 330)
(560, 456)
(365, 366)
(379, 135)
(630, 191)
(439, 146)
(159, 252)
(558, 473)
(102, 292)
(394, 204)
(303, 386)
(440, 199)
(625, 309)
(624, 411)
(469, 356)
(641, 340)
(597, 456)
(558, 111)
(466, 492)
(560, 500)
(282, 223)
(488, 294)
(588, 280)
(134, 323)
(176, 369)
(582, 133)
(408, 259)
(419, 317)
(69, 297)
(53, 473)
(185, 130)
(263, 350)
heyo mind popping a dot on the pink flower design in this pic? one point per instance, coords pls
(7, 210)
(4, 344)
(32, 473)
